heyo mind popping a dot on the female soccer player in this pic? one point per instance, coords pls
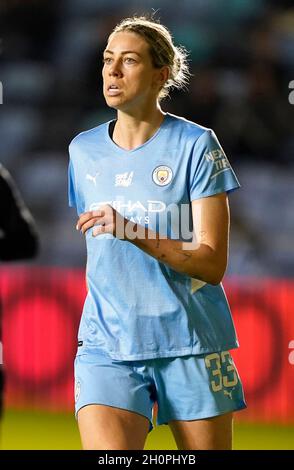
(150, 189)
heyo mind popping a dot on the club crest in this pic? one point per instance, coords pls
(162, 175)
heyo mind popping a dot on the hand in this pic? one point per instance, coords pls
(104, 220)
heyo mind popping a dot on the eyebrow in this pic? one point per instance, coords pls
(123, 52)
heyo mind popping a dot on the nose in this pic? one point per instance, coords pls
(114, 69)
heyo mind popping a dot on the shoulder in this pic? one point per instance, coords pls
(189, 129)
(88, 136)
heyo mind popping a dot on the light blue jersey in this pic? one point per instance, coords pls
(138, 307)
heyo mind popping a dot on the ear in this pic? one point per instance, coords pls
(161, 76)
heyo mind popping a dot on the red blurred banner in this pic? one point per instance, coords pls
(41, 308)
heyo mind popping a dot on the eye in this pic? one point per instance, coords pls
(129, 60)
(106, 60)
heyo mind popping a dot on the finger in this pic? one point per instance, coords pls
(91, 223)
(82, 219)
(98, 213)
(87, 216)
(102, 229)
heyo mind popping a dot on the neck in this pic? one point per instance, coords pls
(133, 130)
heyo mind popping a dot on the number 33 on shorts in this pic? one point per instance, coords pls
(222, 371)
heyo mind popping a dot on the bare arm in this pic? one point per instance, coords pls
(204, 258)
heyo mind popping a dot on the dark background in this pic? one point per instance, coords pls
(242, 60)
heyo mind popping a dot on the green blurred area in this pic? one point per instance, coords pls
(42, 430)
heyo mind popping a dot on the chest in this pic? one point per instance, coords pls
(141, 182)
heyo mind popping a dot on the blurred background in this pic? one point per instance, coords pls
(242, 61)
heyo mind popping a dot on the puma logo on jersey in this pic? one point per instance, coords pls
(92, 178)
(124, 179)
(229, 394)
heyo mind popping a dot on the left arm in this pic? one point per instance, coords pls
(204, 258)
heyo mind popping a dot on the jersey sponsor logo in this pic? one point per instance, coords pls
(124, 179)
(92, 178)
(130, 206)
(139, 219)
(162, 175)
(219, 160)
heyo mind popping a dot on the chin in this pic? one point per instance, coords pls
(113, 101)
(118, 106)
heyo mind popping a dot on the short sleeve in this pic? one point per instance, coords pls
(72, 198)
(210, 170)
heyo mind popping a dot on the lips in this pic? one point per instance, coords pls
(113, 90)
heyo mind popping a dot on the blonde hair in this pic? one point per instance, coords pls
(162, 50)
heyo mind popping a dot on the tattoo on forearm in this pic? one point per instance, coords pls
(185, 254)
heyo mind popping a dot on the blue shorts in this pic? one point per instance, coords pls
(185, 388)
